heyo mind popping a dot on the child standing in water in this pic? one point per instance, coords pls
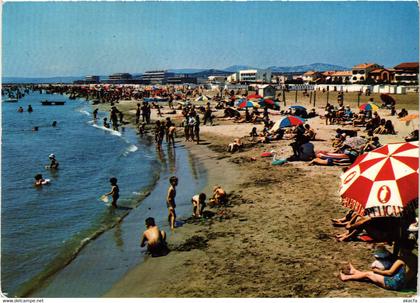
(115, 191)
(170, 201)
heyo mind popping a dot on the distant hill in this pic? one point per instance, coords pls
(193, 72)
(291, 69)
(186, 70)
(235, 68)
(321, 67)
(210, 72)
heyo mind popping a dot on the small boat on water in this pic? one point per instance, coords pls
(14, 100)
(46, 102)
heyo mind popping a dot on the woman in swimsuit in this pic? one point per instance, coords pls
(394, 278)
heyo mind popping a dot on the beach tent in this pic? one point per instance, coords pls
(383, 182)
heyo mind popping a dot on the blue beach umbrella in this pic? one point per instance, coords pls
(291, 121)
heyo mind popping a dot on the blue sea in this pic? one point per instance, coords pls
(44, 229)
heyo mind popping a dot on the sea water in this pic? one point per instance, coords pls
(42, 229)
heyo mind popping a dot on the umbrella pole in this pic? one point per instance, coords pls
(310, 98)
(358, 100)
(314, 97)
(295, 96)
(328, 95)
(284, 97)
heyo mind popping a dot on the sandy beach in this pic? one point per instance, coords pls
(274, 238)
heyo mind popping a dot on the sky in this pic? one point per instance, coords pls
(42, 39)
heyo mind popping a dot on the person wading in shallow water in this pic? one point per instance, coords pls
(115, 191)
(170, 201)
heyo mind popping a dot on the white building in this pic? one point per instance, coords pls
(234, 78)
(216, 79)
(255, 75)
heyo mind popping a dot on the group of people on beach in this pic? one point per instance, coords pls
(156, 238)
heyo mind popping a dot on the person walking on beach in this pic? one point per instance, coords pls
(95, 114)
(138, 113)
(115, 191)
(148, 113)
(191, 125)
(186, 128)
(197, 128)
(207, 115)
(158, 137)
(170, 201)
(168, 125)
(113, 117)
(121, 117)
(143, 112)
(155, 238)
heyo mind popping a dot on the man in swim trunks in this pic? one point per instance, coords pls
(170, 201)
(155, 238)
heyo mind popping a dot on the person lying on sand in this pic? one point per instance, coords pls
(380, 229)
(155, 238)
(402, 271)
(348, 218)
(199, 203)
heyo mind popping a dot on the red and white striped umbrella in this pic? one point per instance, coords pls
(383, 182)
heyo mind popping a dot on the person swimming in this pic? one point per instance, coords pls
(54, 124)
(39, 180)
(106, 124)
(54, 163)
(30, 109)
(20, 109)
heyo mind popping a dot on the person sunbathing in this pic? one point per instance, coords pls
(348, 218)
(380, 229)
(372, 144)
(413, 136)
